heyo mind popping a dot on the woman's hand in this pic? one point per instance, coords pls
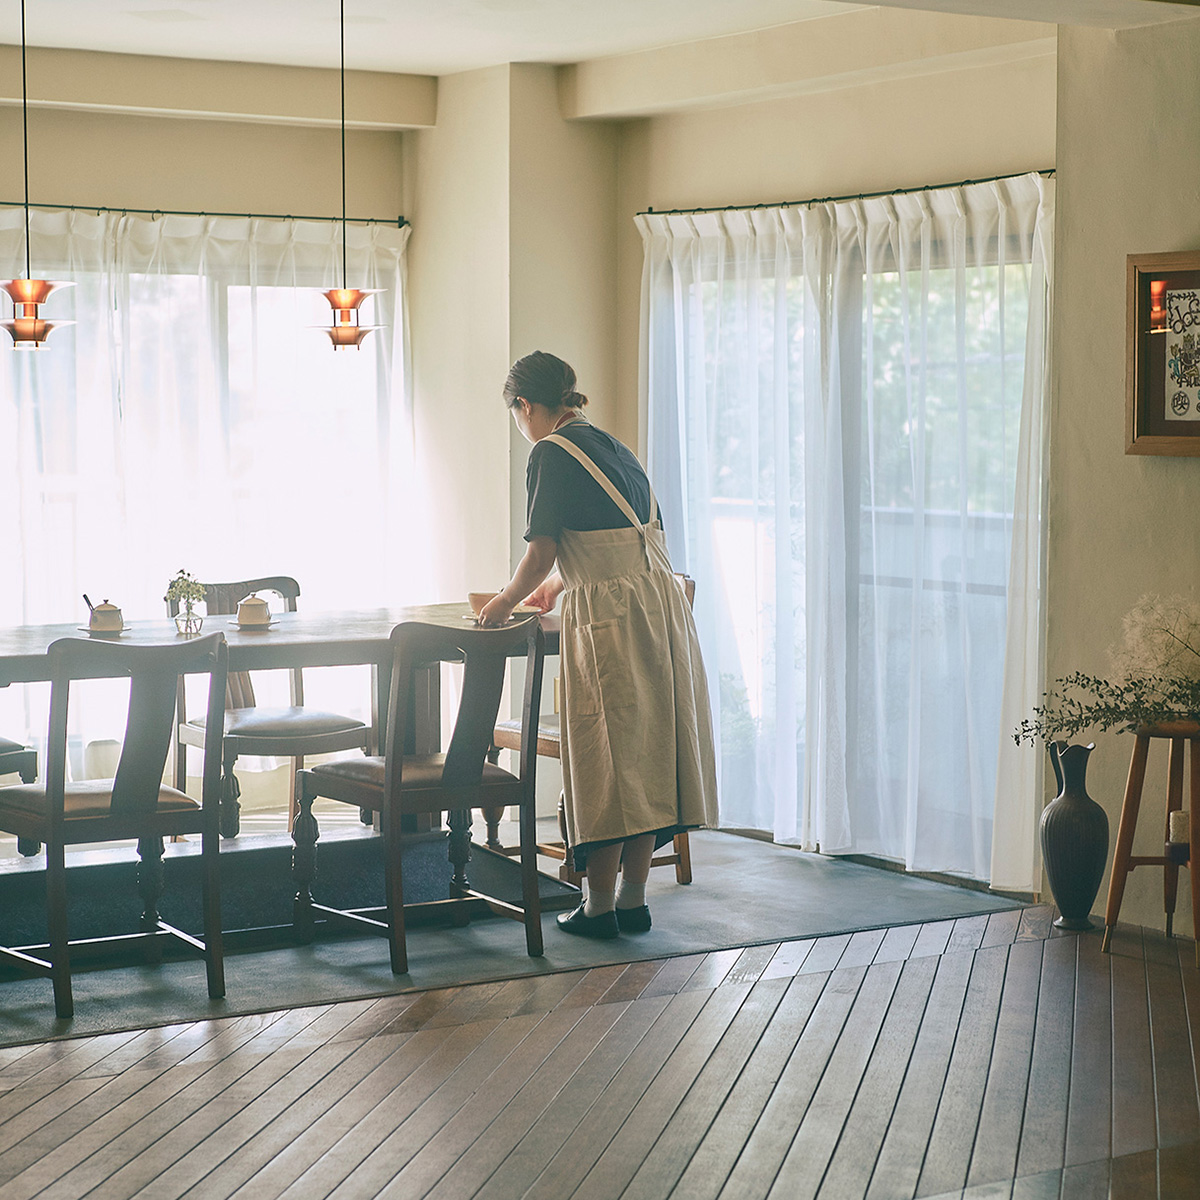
(496, 611)
(544, 598)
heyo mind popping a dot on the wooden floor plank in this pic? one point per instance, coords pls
(592, 986)
(860, 951)
(609, 1110)
(445, 1081)
(729, 1132)
(668, 1157)
(1044, 1128)
(765, 1150)
(620, 1158)
(951, 1142)
(405, 1053)
(674, 976)
(413, 1169)
(1174, 1055)
(933, 938)
(898, 1167)
(853, 1161)
(1089, 1105)
(173, 1164)
(530, 1155)
(474, 1165)
(712, 971)
(898, 944)
(788, 959)
(825, 955)
(1133, 1118)
(1036, 922)
(751, 964)
(803, 1168)
(1001, 928)
(633, 981)
(468, 1005)
(236, 1155)
(403, 1091)
(967, 934)
(1001, 1115)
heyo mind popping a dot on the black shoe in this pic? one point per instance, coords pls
(577, 922)
(634, 920)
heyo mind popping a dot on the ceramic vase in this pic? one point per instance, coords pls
(1074, 838)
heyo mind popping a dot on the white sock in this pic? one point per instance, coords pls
(597, 903)
(630, 895)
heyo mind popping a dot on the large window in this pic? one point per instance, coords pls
(196, 416)
(844, 407)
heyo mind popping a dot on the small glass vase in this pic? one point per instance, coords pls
(188, 621)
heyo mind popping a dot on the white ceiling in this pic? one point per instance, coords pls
(439, 37)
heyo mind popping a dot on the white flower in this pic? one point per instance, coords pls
(1161, 638)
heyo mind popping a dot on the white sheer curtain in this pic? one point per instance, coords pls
(845, 411)
(196, 417)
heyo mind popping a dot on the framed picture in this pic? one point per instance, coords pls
(1162, 355)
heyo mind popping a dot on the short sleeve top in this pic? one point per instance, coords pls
(562, 494)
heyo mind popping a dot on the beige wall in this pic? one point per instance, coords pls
(116, 160)
(1128, 183)
(458, 285)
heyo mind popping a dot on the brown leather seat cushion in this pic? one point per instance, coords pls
(92, 798)
(419, 771)
(283, 722)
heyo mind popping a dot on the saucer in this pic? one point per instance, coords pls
(253, 627)
(101, 633)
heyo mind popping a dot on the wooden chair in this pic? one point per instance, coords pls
(291, 732)
(18, 759)
(507, 736)
(134, 804)
(402, 783)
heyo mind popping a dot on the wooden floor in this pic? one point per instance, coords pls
(949, 1059)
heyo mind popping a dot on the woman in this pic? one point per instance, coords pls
(636, 739)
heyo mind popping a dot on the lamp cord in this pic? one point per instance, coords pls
(25, 135)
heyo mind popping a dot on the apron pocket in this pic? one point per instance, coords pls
(612, 657)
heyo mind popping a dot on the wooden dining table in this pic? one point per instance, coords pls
(351, 637)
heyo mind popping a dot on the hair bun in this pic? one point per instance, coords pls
(574, 399)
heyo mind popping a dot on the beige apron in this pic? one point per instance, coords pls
(637, 748)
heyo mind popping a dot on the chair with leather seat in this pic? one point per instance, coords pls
(134, 804)
(507, 736)
(292, 732)
(402, 783)
(18, 759)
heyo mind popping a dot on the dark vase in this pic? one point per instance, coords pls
(1074, 838)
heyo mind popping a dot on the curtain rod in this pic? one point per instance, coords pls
(399, 222)
(929, 187)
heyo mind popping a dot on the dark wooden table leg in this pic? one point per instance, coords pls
(1174, 804)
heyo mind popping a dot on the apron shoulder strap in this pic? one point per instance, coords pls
(603, 480)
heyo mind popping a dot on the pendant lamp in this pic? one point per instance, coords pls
(29, 331)
(346, 301)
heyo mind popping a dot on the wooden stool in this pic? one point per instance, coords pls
(507, 736)
(1173, 856)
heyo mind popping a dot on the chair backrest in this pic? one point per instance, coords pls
(485, 654)
(689, 586)
(154, 673)
(222, 600)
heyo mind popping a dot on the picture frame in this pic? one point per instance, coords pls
(1162, 356)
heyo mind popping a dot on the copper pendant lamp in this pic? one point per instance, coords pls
(346, 302)
(27, 328)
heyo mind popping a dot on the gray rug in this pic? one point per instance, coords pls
(745, 893)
